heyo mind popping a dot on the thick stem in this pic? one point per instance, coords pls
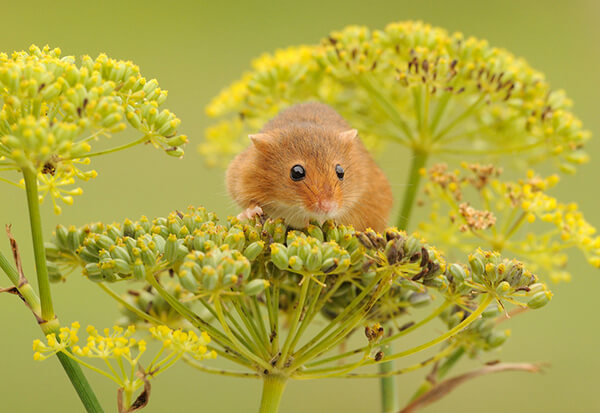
(73, 370)
(412, 186)
(390, 402)
(35, 220)
(273, 387)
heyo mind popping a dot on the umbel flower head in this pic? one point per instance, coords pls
(257, 286)
(109, 351)
(54, 108)
(412, 84)
(472, 206)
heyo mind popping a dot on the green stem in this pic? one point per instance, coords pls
(273, 387)
(410, 192)
(35, 220)
(73, 370)
(390, 402)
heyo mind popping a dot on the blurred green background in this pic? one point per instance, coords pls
(194, 48)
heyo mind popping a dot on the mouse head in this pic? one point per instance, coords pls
(308, 172)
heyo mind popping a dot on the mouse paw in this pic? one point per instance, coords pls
(250, 213)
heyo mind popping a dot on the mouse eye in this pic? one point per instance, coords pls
(297, 173)
(339, 172)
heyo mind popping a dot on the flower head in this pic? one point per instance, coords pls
(54, 108)
(413, 84)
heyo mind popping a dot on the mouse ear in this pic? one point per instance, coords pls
(349, 135)
(260, 140)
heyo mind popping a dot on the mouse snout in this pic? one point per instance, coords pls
(326, 205)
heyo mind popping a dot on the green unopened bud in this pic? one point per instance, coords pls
(539, 300)
(497, 338)
(315, 232)
(255, 287)
(122, 266)
(419, 299)
(253, 250)
(73, 238)
(53, 272)
(209, 278)
(171, 248)
(329, 265)
(315, 259)
(476, 264)
(279, 256)
(61, 237)
(503, 288)
(458, 273)
(296, 263)
(188, 281)
(139, 270)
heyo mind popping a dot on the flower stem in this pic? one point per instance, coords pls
(419, 160)
(390, 402)
(50, 324)
(273, 387)
(35, 221)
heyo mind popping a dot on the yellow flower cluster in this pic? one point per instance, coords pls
(53, 109)
(516, 207)
(181, 342)
(409, 83)
(117, 346)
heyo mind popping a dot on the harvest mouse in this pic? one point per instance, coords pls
(308, 164)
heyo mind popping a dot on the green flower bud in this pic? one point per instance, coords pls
(315, 232)
(87, 254)
(104, 241)
(458, 273)
(329, 265)
(314, 260)
(61, 237)
(539, 300)
(296, 263)
(209, 278)
(116, 251)
(73, 238)
(171, 248)
(92, 270)
(188, 281)
(503, 288)
(255, 287)
(139, 270)
(122, 266)
(279, 256)
(419, 299)
(53, 272)
(497, 338)
(253, 250)
(477, 267)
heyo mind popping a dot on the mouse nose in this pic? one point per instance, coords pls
(327, 206)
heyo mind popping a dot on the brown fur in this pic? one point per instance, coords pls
(309, 134)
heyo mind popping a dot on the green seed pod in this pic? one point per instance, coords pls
(54, 273)
(315, 232)
(209, 278)
(279, 256)
(61, 237)
(73, 238)
(117, 251)
(188, 281)
(458, 273)
(343, 264)
(236, 241)
(503, 288)
(314, 260)
(128, 229)
(477, 267)
(104, 241)
(411, 246)
(160, 243)
(122, 266)
(333, 234)
(492, 311)
(113, 232)
(253, 250)
(296, 263)
(255, 287)
(88, 255)
(539, 300)
(148, 256)
(329, 265)
(92, 270)
(171, 248)
(139, 270)
(497, 338)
